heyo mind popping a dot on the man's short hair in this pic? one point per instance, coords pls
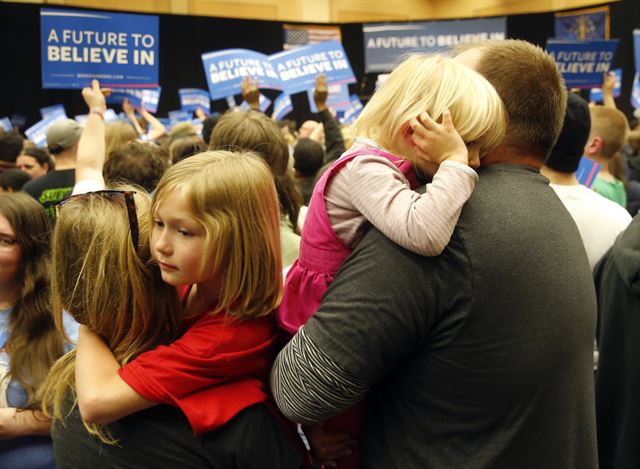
(137, 163)
(10, 146)
(12, 180)
(308, 156)
(611, 126)
(532, 90)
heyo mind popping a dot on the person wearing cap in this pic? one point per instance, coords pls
(62, 141)
(599, 220)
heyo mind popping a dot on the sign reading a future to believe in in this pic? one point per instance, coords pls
(120, 50)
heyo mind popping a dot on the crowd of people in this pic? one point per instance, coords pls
(429, 287)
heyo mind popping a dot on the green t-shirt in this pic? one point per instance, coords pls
(611, 190)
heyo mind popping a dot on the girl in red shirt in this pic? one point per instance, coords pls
(215, 236)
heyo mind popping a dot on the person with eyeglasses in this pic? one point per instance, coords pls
(159, 288)
(29, 340)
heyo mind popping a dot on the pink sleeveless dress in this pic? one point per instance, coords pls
(321, 251)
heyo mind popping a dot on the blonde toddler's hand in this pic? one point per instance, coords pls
(436, 142)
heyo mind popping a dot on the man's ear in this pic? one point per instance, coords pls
(593, 146)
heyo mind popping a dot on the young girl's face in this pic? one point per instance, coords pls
(178, 242)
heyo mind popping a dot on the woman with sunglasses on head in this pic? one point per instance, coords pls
(29, 341)
(131, 320)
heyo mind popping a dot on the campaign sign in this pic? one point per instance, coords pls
(299, 67)
(636, 47)
(179, 116)
(51, 110)
(264, 103)
(118, 49)
(38, 133)
(145, 98)
(386, 43)
(587, 171)
(354, 111)
(338, 98)
(5, 124)
(281, 107)
(582, 63)
(635, 91)
(231, 101)
(225, 70)
(595, 94)
(193, 98)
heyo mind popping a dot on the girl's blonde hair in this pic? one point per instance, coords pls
(432, 84)
(234, 198)
(107, 284)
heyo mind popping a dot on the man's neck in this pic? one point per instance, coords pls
(556, 177)
(509, 155)
(65, 160)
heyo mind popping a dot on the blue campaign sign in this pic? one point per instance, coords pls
(179, 116)
(299, 67)
(51, 110)
(587, 171)
(354, 111)
(338, 98)
(193, 98)
(636, 47)
(386, 43)
(117, 49)
(635, 91)
(225, 70)
(582, 63)
(595, 94)
(5, 124)
(37, 133)
(138, 97)
(264, 103)
(281, 107)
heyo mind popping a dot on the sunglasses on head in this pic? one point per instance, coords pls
(129, 202)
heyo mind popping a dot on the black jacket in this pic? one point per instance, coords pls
(617, 278)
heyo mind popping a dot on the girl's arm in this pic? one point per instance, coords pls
(210, 352)
(15, 423)
(103, 396)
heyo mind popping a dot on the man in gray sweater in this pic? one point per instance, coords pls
(482, 356)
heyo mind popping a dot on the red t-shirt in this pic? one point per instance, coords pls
(218, 367)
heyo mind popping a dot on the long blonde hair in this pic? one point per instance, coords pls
(234, 198)
(108, 285)
(432, 84)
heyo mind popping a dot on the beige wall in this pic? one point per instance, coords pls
(330, 11)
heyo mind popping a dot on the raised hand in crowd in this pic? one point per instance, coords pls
(200, 114)
(251, 93)
(130, 111)
(321, 92)
(608, 84)
(91, 146)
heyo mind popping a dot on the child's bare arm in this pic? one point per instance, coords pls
(103, 396)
